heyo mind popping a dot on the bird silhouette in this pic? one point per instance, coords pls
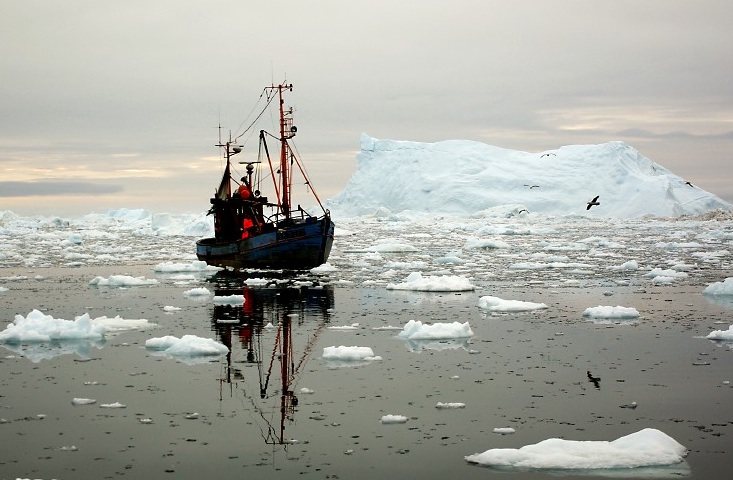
(593, 202)
(594, 380)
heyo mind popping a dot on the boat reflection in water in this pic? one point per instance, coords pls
(260, 338)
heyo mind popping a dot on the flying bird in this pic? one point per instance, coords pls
(594, 380)
(593, 202)
(547, 154)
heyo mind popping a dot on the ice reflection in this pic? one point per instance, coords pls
(37, 352)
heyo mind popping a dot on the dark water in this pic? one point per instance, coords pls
(229, 418)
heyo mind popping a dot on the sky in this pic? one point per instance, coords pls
(116, 104)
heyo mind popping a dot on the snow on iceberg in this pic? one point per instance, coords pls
(720, 288)
(611, 312)
(496, 304)
(416, 330)
(645, 448)
(402, 175)
(446, 283)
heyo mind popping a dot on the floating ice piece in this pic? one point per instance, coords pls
(721, 334)
(257, 281)
(353, 326)
(504, 430)
(194, 266)
(452, 259)
(389, 419)
(485, 243)
(720, 288)
(113, 405)
(197, 292)
(83, 401)
(645, 448)
(170, 308)
(440, 283)
(122, 281)
(496, 304)
(39, 328)
(449, 405)
(306, 391)
(630, 265)
(349, 353)
(324, 269)
(229, 299)
(187, 345)
(392, 247)
(658, 272)
(387, 327)
(415, 330)
(611, 312)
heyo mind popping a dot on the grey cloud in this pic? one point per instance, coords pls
(50, 188)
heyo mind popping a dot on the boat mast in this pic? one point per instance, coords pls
(287, 131)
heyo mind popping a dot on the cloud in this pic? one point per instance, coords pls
(49, 188)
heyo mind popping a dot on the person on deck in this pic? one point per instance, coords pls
(247, 224)
(245, 191)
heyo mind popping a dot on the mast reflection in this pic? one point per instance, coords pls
(259, 335)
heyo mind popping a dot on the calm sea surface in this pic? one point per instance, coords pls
(234, 416)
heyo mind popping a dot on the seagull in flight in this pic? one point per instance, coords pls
(593, 202)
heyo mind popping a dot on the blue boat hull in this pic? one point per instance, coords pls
(298, 246)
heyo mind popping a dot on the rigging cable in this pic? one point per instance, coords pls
(265, 108)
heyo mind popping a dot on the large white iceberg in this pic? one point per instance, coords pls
(461, 177)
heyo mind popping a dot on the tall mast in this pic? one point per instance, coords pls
(287, 131)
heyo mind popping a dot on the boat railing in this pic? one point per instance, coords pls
(297, 216)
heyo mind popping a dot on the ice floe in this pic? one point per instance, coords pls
(496, 304)
(645, 448)
(602, 311)
(189, 348)
(416, 330)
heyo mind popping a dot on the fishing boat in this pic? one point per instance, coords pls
(249, 230)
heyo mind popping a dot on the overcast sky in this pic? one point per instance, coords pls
(115, 104)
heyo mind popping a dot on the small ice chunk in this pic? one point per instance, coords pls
(449, 405)
(389, 419)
